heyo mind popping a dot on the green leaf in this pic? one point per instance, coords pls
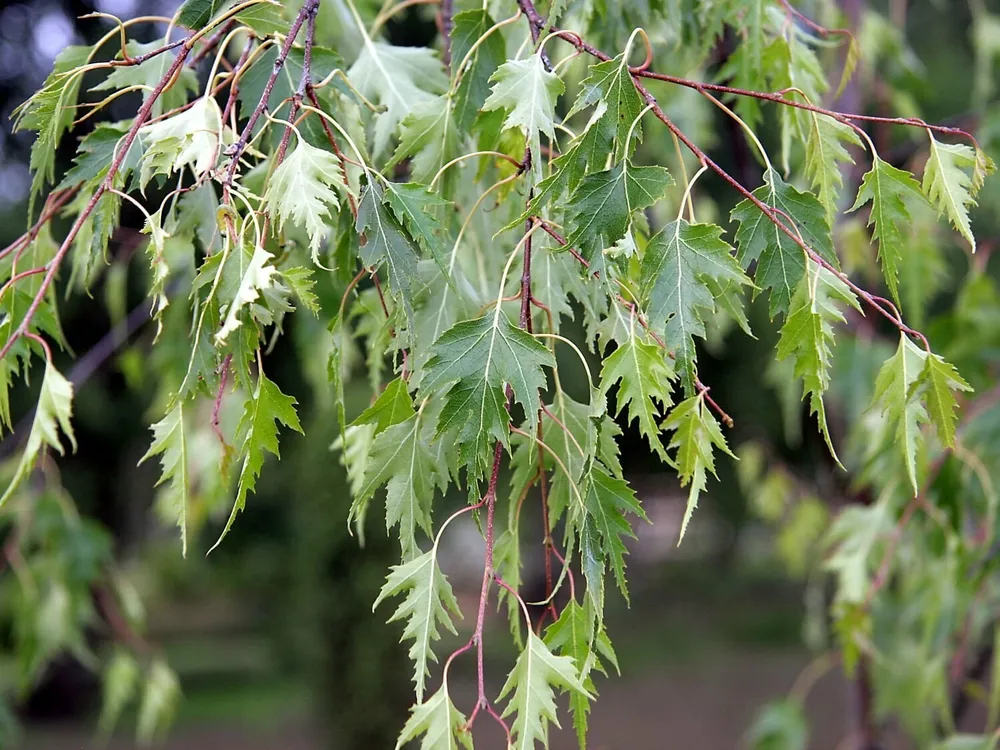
(532, 681)
(428, 604)
(895, 397)
(696, 434)
(159, 702)
(474, 86)
(415, 207)
(608, 501)
(50, 112)
(400, 79)
(439, 722)
(894, 196)
(265, 19)
(781, 262)
(493, 351)
(386, 241)
(807, 335)
(253, 80)
(263, 412)
(475, 417)
(644, 374)
(528, 93)
(393, 406)
(601, 208)
(95, 154)
(825, 155)
(573, 635)
(301, 281)
(121, 678)
(171, 441)
(401, 459)
(610, 86)
(52, 415)
(679, 263)
(195, 14)
(303, 189)
(941, 379)
(780, 725)
(570, 431)
(430, 135)
(948, 186)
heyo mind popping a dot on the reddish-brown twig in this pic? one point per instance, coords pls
(236, 150)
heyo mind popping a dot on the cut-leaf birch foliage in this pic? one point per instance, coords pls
(643, 374)
(528, 92)
(678, 265)
(437, 723)
(303, 189)
(189, 138)
(807, 336)
(52, 415)
(409, 191)
(258, 432)
(696, 437)
(894, 195)
(781, 261)
(401, 460)
(398, 78)
(171, 443)
(949, 187)
(531, 685)
(428, 605)
(896, 395)
(257, 278)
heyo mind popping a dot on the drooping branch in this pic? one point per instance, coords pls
(641, 320)
(881, 305)
(140, 119)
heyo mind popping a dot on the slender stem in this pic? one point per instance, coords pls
(311, 93)
(536, 23)
(877, 303)
(845, 117)
(488, 574)
(864, 695)
(18, 276)
(212, 42)
(305, 81)
(55, 202)
(543, 486)
(447, 24)
(127, 61)
(236, 150)
(525, 319)
(216, 408)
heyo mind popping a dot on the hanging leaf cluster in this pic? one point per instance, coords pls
(492, 232)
